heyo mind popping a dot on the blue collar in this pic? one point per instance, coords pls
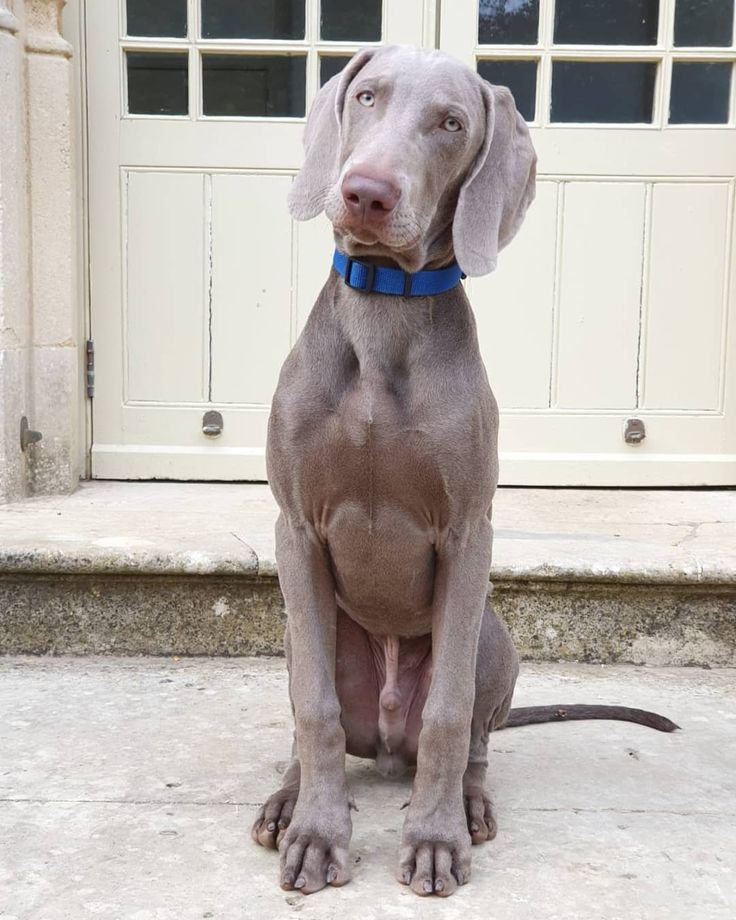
(362, 276)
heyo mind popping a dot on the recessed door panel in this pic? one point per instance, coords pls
(250, 308)
(687, 296)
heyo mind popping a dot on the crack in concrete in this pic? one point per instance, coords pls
(626, 811)
(676, 813)
(33, 801)
(689, 537)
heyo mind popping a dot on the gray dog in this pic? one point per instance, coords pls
(382, 458)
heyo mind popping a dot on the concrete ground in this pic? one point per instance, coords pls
(127, 788)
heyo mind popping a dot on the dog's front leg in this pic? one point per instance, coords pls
(435, 845)
(314, 848)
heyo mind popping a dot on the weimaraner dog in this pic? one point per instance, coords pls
(382, 458)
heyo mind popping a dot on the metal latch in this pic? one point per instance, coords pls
(634, 431)
(27, 435)
(212, 423)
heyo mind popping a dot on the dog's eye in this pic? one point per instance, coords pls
(452, 124)
(366, 98)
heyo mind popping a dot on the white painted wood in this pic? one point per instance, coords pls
(250, 308)
(514, 309)
(197, 283)
(599, 287)
(626, 289)
(164, 287)
(314, 240)
(685, 310)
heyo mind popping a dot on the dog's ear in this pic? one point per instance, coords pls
(499, 187)
(322, 142)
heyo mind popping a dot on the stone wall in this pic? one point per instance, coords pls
(40, 360)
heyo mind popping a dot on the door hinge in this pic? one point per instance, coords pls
(90, 353)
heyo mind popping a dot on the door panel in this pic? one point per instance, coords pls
(249, 307)
(164, 291)
(687, 296)
(515, 326)
(599, 286)
(619, 290)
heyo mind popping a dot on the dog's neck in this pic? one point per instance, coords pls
(387, 333)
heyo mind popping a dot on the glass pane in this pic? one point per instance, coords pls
(519, 76)
(508, 22)
(254, 85)
(704, 22)
(332, 64)
(282, 19)
(606, 22)
(603, 92)
(351, 20)
(700, 93)
(167, 18)
(158, 83)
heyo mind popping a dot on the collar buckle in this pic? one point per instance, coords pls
(370, 275)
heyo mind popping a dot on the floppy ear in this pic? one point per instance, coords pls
(321, 165)
(499, 187)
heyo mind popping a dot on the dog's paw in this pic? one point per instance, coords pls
(274, 816)
(435, 851)
(314, 849)
(479, 813)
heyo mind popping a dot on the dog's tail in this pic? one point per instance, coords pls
(533, 715)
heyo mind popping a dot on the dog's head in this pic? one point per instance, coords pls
(412, 155)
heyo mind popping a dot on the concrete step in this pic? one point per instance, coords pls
(644, 577)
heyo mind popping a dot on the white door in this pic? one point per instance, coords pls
(617, 300)
(614, 303)
(199, 280)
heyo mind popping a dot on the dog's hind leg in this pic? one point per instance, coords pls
(497, 667)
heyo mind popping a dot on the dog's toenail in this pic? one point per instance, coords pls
(427, 885)
(439, 885)
(474, 827)
(270, 826)
(300, 882)
(331, 875)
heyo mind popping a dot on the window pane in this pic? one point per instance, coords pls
(253, 85)
(519, 76)
(508, 22)
(602, 92)
(157, 83)
(331, 64)
(700, 93)
(606, 22)
(704, 22)
(167, 18)
(283, 19)
(351, 20)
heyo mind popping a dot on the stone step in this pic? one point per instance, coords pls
(644, 577)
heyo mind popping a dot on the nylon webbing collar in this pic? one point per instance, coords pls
(362, 276)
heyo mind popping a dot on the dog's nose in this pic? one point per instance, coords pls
(369, 197)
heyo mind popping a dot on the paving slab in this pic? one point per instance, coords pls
(655, 536)
(127, 787)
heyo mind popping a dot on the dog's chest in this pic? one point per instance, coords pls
(381, 442)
